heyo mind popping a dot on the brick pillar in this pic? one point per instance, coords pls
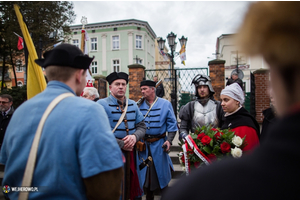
(217, 76)
(262, 97)
(136, 75)
(101, 85)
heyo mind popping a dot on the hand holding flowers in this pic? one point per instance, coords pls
(213, 144)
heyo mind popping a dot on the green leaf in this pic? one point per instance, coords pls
(207, 149)
(211, 143)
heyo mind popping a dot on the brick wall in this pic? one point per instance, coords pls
(262, 98)
(136, 75)
(217, 75)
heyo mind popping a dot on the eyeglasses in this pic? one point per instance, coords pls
(4, 102)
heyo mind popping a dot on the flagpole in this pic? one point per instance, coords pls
(17, 35)
(84, 22)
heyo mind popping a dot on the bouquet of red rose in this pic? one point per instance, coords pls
(209, 144)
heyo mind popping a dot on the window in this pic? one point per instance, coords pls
(94, 67)
(76, 43)
(138, 41)
(140, 61)
(93, 44)
(19, 67)
(20, 83)
(116, 65)
(116, 42)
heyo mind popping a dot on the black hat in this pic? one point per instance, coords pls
(148, 83)
(65, 55)
(117, 75)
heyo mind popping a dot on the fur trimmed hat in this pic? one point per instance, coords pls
(116, 75)
(148, 83)
(65, 55)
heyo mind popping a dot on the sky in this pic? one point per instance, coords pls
(200, 21)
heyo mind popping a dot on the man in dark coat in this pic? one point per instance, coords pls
(235, 79)
(272, 170)
(160, 91)
(269, 118)
(6, 113)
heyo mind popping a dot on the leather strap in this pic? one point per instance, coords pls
(155, 138)
(122, 116)
(150, 108)
(27, 178)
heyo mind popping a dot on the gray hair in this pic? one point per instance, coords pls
(92, 91)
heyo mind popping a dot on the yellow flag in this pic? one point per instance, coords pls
(36, 82)
(182, 54)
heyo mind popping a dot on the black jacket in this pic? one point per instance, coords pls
(268, 122)
(270, 172)
(4, 123)
(160, 91)
(241, 118)
(238, 81)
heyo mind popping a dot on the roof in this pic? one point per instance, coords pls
(116, 23)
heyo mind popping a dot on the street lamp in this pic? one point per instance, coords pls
(172, 44)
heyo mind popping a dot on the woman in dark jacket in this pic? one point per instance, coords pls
(238, 118)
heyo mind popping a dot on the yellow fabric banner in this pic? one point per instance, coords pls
(36, 82)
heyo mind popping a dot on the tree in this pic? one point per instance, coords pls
(47, 21)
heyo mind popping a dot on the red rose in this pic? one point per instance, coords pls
(214, 129)
(197, 131)
(196, 164)
(189, 150)
(225, 147)
(218, 135)
(211, 156)
(182, 159)
(206, 140)
(200, 136)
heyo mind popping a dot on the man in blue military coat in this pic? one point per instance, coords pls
(77, 157)
(159, 119)
(131, 129)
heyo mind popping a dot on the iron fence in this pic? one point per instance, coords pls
(178, 91)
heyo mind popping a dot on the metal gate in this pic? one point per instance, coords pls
(179, 90)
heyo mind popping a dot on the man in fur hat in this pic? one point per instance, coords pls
(128, 132)
(159, 118)
(270, 29)
(77, 157)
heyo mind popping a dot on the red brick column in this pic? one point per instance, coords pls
(262, 97)
(101, 85)
(136, 75)
(217, 76)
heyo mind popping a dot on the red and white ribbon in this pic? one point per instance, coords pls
(186, 161)
(197, 151)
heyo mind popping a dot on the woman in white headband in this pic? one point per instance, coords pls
(238, 118)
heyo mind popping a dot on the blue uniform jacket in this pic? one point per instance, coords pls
(159, 120)
(133, 116)
(76, 143)
(113, 110)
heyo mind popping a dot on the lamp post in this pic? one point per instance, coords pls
(172, 44)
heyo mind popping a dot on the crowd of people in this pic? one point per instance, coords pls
(114, 148)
